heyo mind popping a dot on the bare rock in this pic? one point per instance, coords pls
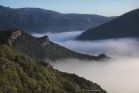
(13, 36)
(46, 41)
(102, 57)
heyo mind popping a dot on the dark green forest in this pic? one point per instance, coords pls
(21, 74)
(35, 48)
(22, 69)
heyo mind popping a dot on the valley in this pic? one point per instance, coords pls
(69, 47)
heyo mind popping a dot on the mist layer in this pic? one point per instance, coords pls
(118, 75)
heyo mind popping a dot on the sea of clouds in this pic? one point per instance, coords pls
(118, 75)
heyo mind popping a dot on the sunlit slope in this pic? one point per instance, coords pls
(21, 74)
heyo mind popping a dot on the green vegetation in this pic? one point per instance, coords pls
(34, 47)
(21, 74)
(124, 26)
(21, 67)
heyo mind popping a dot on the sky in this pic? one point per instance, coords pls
(99, 7)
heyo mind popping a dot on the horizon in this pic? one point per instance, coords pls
(101, 7)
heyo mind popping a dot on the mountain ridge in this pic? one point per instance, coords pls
(21, 74)
(40, 20)
(41, 48)
(121, 27)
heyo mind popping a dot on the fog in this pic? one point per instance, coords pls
(118, 75)
(59, 37)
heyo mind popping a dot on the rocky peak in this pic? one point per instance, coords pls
(46, 41)
(102, 56)
(13, 36)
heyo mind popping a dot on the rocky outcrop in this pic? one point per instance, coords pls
(102, 57)
(13, 36)
(40, 48)
(47, 65)
(46, 41)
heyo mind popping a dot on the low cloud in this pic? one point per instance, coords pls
(118, 75)
(112, 47)
(115, 76)
(59, 37)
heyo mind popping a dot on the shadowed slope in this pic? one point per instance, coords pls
(124, 26)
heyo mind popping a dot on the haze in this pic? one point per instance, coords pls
(118, 75)
(99, 7)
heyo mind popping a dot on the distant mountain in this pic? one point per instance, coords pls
(124, 26)
(21, 74)
(40, 20)
(40, 48)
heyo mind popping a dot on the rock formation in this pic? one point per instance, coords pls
(13, 36)
(46, 41)
(102, 56)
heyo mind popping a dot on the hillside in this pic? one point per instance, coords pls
(40, 48)
(21, 74)
(40, 20)
(124, 26)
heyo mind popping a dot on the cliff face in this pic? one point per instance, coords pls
(13, 36)
(46, 41)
